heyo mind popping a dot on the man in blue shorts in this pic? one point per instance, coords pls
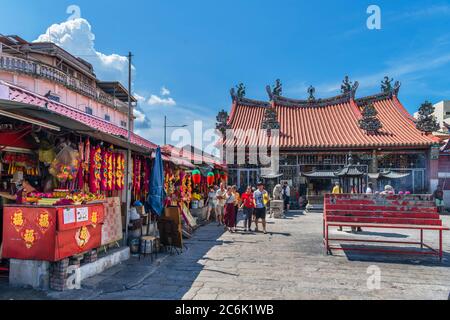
(261, 198)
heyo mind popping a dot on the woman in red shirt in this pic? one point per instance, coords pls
(248, 205)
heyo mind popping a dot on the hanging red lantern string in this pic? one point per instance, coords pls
(223, 176)
(217, 175)
(196, 176)
(210, 178)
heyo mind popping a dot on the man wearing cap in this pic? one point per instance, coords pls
(261, 198)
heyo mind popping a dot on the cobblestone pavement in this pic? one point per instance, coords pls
(286, 263)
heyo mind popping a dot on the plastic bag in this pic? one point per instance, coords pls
(66, 164)
(46, 152)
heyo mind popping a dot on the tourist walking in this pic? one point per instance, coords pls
(261, 198)
(248, 206)
(229, 212)
(337, 190)
(388, 190)
(438, 196)
(286, 196)
(220, 203)
(212, 203)
(237, 203)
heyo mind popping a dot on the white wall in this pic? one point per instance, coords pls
(440, 112)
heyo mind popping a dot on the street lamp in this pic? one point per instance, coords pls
(166, 126)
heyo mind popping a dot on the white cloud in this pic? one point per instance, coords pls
(141, 121)
(162, 99)
(165, 91)
(155, 100)
(139, 98)
(76, 37)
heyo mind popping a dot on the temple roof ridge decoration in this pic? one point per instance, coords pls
(240, 99)
(342, 121)
(348, 93)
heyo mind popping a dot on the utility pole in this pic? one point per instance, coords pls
(165, 130)
(166, 126)
(128, 167)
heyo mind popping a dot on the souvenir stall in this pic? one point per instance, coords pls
(61, 193)
(178, 187)
(187, 190)
(62, 214)
(140, 224)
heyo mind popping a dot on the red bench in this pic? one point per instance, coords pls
(416, 212)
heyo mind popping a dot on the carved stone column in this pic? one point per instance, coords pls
(374, 167)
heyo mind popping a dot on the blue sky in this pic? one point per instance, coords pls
(197, 50)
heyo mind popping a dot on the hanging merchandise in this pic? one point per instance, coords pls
(87, 152)
(95, 169)
(80, 176)
(86, 164)
(169, 182)
(186, 188)
(65, 166)
(20, 162)
(46, 152)
(210, 178)
(136, 177)
(104, 171)
(81, 168)
(196, 176)
(223, 176)
(109, 169)
(120, 171)
(113, 169)
(146, 176)
(217, 175)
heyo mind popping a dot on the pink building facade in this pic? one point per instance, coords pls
(49, 71)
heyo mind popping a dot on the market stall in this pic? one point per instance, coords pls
(187, 190)
(63, 193)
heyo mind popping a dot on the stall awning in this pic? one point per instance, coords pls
(37, 113)
(196, 156)
(177, 161)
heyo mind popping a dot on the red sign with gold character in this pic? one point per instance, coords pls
(50, 233)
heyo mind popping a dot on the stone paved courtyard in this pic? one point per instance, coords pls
(287, 263)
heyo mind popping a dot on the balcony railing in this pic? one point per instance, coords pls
(14, 64)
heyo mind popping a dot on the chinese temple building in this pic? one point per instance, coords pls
(316, 136)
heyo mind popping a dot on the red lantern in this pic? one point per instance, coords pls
(223, 176)
(196, 176)
(217, 175)
(210, 179)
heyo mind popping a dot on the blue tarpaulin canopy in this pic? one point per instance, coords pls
(156, 195)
